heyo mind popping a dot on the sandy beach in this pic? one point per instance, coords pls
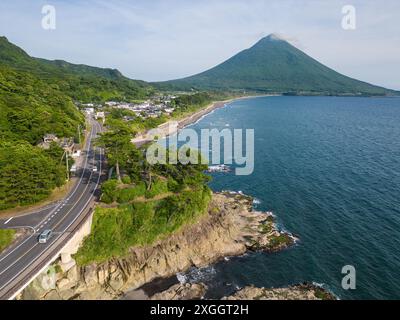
(210, 108)
(201, 113)
(171, 127)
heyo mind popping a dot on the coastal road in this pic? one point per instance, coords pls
(24, 258)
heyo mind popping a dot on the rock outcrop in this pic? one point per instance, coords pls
(299, 292)
(186, 291)
(230, 228)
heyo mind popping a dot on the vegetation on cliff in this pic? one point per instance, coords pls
(144, 202)
(117, 229)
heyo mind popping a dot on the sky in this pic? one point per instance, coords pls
(168, 39)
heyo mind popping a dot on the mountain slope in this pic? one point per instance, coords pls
(274, 65)
(81, 82)
(30, 108)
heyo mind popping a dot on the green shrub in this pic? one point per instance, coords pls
(115, 230)
(129, 194)
(109, 191)
(126, 180)
(174, 186)
(157, 187)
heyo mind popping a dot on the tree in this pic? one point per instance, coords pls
(27, 174)
(117, 143)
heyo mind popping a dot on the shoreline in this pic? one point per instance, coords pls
(172, 127)
(189, 120)
(193, 118)
(229, 228)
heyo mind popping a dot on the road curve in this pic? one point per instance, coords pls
(27, 256)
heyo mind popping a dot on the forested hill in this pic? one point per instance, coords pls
(81, 82)
(274, 65)
(36, 98)
(30, 108)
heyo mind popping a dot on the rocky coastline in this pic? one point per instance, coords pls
(196, 291)
(303, 291)
(230, 228)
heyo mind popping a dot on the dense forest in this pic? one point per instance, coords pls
(82, 83)
(36, 98)
(29, 108)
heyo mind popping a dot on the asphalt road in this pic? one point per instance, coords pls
(26, 256)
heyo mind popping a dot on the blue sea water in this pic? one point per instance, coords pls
(329, 168)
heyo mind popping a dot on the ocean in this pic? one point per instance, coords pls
(329, 168)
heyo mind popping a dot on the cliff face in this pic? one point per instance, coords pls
(230, 228)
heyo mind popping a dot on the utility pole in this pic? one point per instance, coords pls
(66, 157)
(79, 133)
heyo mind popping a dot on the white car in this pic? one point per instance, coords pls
(45, 236)
(94, 169)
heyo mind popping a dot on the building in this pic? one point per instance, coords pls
(89, 110)
(49, 138)
(68, 145)
(99, 115)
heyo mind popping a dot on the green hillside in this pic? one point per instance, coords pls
(274, 65)
(37, 97)
(82, 83)
(30, 108)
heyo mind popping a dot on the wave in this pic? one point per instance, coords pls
(196, 275)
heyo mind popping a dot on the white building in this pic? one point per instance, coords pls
(89, 110)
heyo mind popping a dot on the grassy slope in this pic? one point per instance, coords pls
(139, 222)
(6, 238)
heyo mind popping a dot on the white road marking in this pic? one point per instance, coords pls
(8, 220)
(82, 209)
